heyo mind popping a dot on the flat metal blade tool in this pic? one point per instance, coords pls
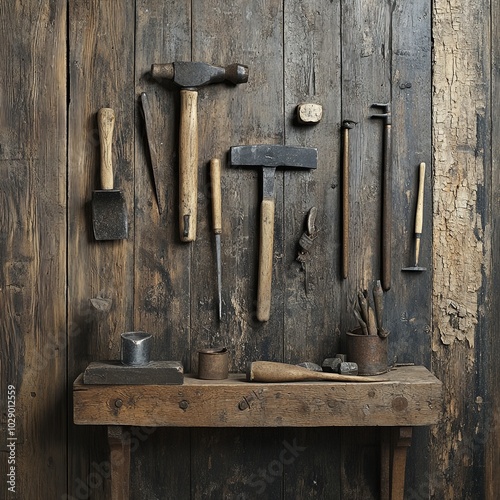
(217, 222)
(153, 152)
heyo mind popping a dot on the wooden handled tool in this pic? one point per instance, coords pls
(109, 210)
(419, 216)
(190, 76)
(270, 371)
(217, 222)
(188, 164)
(386, 243)
(268, 157)
(346, 125)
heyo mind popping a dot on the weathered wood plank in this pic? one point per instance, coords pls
(33, 249)
(409, 309)
(411, 396)
(162, 264)
(491, 435)
(312, 74)
(366, 79)
(461, 243)
(100, 274)
(250, 113)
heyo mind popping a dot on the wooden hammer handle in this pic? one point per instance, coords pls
(216, 195)
(106, 125)
(266, 244)
(188, 164)
(420, 200)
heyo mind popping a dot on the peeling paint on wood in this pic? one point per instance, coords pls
(460, 236)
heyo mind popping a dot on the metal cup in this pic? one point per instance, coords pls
(213, 363)
(136, 348)
(368, 351)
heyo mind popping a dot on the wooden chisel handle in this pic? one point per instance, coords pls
(216, 195)
(270, 371)
(419, 217)
(266, 250)
(106, 125)
(188, 164)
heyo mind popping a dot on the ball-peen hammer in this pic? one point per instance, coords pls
(190, 76)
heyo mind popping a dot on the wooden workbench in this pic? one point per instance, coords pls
(403, 398)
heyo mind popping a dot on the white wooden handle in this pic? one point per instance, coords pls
(216, 195)
(106, 125)
(266, 251)
(420, 201)
(188, 165)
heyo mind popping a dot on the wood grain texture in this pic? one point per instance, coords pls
(461, 245)
(64, 302)
(411, 396)
(33, 180)
(100, 299)
(162, 263)
(492, 436)
(251, 113)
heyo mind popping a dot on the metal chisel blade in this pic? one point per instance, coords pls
(219, 271)
(153, 153)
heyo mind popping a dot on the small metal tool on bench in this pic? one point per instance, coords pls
(134, 367)
(136, 348)
(337, 365)
(269, 157)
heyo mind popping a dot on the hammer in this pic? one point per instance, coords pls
(190, 76)
(269, 157)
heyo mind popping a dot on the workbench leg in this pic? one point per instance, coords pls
(395, 442)
(119, 454)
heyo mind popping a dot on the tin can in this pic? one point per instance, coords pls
(368, 351)
(135, 348)
(213, 364)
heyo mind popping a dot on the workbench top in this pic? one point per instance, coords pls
(405, 396)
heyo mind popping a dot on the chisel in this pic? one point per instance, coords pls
(419, 219)
(217, 222)
(153, 152)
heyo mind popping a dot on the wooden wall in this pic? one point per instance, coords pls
(66, 298)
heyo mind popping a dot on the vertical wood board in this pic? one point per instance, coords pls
(33, 250)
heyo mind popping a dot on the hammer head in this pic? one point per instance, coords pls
(271, 156)
(198, 74)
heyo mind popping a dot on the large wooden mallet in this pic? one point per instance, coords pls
(269, 157)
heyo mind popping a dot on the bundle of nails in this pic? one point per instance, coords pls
(370, 318)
